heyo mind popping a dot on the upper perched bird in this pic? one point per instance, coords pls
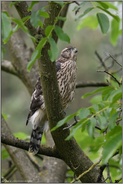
(66, 77)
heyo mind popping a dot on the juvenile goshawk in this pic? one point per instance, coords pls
(66, 76)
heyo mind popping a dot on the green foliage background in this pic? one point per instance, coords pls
(92, 26)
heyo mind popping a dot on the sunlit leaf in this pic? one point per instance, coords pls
(89, 21)
(115, 26)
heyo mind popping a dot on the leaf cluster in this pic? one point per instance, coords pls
(100, 13)
(37, 20)
(98, 128)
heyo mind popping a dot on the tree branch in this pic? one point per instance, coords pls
(20, 158)
(68, 150)
(12, 141)
(22, 9)
(91, 84)
(7, 66)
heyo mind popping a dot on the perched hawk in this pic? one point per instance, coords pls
(66, 76)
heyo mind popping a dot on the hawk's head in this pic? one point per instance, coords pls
(69, 53)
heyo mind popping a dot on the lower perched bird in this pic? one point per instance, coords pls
(66, 76)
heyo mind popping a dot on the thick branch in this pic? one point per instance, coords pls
(12, 141)
(68, 150)
(20, 158)
(8, 67)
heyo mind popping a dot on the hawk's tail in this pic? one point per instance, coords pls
(35, 140)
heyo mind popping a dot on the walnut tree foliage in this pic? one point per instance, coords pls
(98, 127)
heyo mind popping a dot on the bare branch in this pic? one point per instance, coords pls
(12, 141)
(8, 67)
(114, 59)
(101, 60)
(20, 158)
(91, 84)
(111, 76)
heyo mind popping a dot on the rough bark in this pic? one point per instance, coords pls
(69, 151)
(20, 58)
(20, 159)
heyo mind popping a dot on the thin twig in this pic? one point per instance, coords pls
(10, 172)
(114, 59)
(117, 181)
(110, 75)
(85, 172)
(113, 77)
(71, 125)
(8, 67)
(101, 60)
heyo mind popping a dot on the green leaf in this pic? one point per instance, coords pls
(86, 11)
(43, 14)
(53, 52)
(113, 142)
(90, 21)
(63, 121)
(115, 32)
(96, 99)
(20, 23)
(6, 27)
(116, 17)
(116, 96)
(91, 127)
(32, 4)
(62, 18)
(110, 5)
(103, 22)
(61, 35)
(107, 92)
(36, 54)
(34, 57)
(36, 19)
(48, 30)
(94, 92)
(103, 4)
(83, 113)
